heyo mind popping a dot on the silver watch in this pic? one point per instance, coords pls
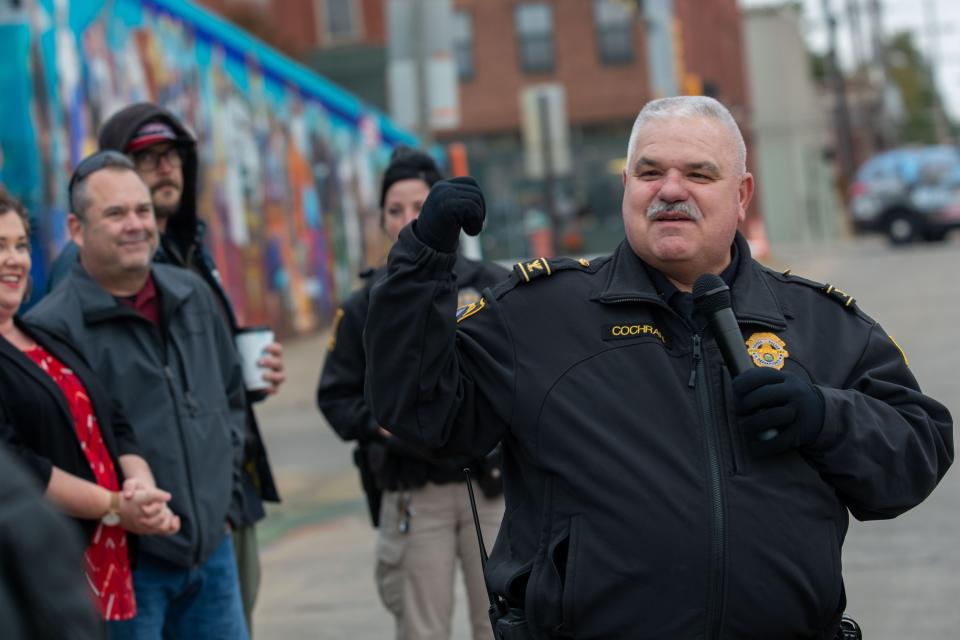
(112, 517)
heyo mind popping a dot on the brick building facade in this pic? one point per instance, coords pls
(596, 92)
(298, 27)
(599, 51)
(601, 56)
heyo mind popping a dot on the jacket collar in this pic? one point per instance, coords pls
(23, 362)
(753, 300)
(628, 279)
(68, 356)
(97, 304)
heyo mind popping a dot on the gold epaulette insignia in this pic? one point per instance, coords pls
(533, 269)
(839, 295)
(530, 270)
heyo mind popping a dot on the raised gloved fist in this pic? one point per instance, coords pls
(452, 205)
(776, 411)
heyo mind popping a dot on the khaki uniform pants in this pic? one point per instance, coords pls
(248, 569)
(415, 570)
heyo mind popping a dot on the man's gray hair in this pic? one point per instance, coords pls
(689, 107)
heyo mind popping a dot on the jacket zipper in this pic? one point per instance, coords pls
(171, 386)
(172, 390)
(698, 381)
(649, 299)
(717, 586)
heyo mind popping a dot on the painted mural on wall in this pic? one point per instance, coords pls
(289, 164)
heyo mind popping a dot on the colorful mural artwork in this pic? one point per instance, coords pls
(289, 162)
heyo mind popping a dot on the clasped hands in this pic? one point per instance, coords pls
(144, 509)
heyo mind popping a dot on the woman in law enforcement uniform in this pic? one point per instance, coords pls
(424, 518)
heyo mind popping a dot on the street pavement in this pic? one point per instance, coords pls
(317, 546)
(902, 576)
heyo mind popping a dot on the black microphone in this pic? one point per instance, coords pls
(711, 297)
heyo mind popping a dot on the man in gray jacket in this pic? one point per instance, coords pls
(153, 333)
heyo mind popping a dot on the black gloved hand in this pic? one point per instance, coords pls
(768, 399)
(452, 205)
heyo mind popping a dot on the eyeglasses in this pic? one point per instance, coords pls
(93, 163)
(150, 160)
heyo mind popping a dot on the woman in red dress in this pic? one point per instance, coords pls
(62, 423)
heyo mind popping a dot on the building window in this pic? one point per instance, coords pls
(463, 44)
(614, 24)
(534, 23)
(339, 21)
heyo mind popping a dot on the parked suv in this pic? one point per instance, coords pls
(909, 194)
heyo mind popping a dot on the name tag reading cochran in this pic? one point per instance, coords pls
(625, 331)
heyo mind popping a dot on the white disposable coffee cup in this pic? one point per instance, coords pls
(251, 343)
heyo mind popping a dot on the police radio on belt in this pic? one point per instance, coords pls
(711, 297)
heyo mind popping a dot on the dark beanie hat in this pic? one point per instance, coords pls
(409, 164)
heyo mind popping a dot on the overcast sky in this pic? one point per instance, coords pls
(898, 15)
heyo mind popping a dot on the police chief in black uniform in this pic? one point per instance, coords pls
(642, 500)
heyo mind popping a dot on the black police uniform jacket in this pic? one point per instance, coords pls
(632, 507)
(394, 464)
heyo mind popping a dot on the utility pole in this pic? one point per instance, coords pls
(856, 34)
(877, 41)
(878, 74)
(418, 37)
(549, 179)
(841, 114)
(940, 127)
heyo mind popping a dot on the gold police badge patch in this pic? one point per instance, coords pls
(767, 350)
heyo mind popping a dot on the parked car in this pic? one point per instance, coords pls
(909, 194)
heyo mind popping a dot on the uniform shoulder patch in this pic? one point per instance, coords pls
(332, 340)
(530, 270)
(827, 289)
(468, 310)
(900, 349)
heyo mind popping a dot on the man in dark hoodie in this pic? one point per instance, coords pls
(165, 156)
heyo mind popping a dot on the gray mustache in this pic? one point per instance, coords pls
(659, 206)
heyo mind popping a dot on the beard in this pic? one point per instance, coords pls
(166, 207)
(165, 211)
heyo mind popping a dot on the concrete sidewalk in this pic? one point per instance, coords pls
(317, 546)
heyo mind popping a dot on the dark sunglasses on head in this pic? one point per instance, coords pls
(95, 162)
